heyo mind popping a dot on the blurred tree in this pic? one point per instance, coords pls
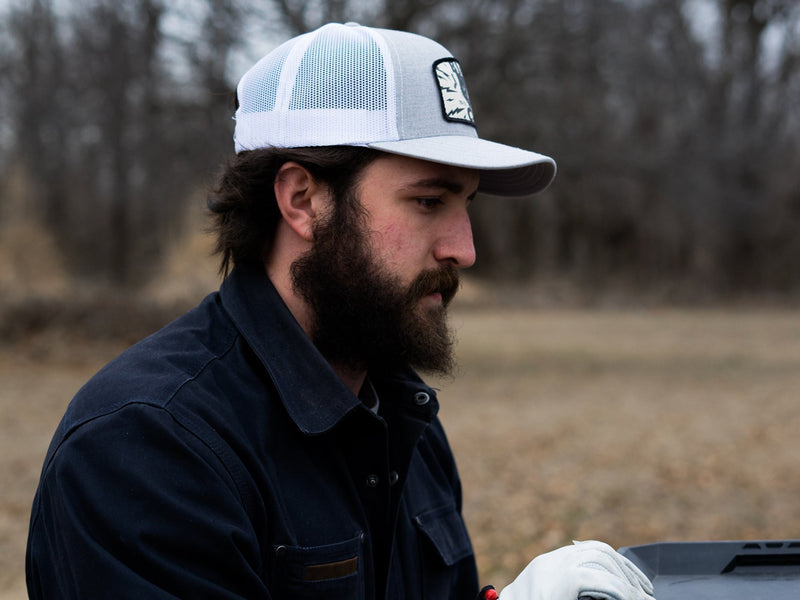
(113, 143)
(34, 79)
(751, 137)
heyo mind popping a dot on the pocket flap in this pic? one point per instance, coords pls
(446, 530)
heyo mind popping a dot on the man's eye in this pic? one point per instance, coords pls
(429, 202)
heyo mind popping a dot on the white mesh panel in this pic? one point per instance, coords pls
(355, 58)
(267, 75)
(297, 98)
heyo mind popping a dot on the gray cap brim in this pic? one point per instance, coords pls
(504, 170)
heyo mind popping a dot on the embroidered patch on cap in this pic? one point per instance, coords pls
(455, 100)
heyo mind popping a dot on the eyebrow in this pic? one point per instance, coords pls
(440, 183)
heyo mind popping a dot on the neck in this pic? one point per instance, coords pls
(352, 379)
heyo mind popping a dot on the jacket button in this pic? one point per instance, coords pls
(421, 398)
(393, 477)
(280, 551)
(372, 481)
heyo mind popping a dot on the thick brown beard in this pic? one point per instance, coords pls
(363, 317)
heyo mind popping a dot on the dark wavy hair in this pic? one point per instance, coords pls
(244, 212)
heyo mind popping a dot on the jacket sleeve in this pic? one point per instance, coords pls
(133, 505)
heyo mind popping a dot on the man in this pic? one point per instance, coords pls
(276, 442)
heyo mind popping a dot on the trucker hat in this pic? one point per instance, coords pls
(398, 92)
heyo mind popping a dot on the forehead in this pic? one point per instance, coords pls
(399, 173)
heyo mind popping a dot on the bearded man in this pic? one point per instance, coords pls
(276, 441)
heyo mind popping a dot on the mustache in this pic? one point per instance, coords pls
(444, 280)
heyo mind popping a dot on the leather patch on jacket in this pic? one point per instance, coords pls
(333, 570)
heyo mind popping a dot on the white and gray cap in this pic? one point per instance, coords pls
(392, 91)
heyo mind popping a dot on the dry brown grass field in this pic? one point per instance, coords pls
(625, 426)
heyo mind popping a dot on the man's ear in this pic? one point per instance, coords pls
(300, 198)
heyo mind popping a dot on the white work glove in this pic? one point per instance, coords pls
(584, 570)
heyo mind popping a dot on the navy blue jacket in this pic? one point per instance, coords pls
(223, 458)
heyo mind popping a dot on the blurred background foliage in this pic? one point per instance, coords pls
(674, 123)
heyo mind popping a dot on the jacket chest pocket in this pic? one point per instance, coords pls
(445, 543)
(313, 572)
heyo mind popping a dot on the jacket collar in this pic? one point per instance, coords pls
(310, 390)
(314, 396)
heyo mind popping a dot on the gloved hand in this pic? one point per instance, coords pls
(583, 570)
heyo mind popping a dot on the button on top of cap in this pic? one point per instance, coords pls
(352, 24)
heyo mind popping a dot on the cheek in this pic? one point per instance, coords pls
(398, 248)
(394, 239)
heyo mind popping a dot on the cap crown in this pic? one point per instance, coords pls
(351, 85)
(392, 91)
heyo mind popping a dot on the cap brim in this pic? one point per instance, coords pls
(504, 170)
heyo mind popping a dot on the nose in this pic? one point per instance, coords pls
(455, 245)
